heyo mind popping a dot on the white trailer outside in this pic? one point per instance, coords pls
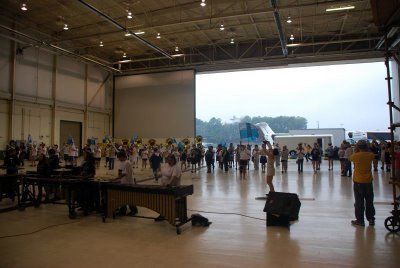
(339, 134)
(292, 141)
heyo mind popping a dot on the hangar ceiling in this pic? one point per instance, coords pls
(222, 35)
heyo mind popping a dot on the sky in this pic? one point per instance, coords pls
(350, 96)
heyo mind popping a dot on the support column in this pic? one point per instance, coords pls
(85, 120)
(12, 90)
(54, 93)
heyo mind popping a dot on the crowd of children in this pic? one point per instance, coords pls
(192, 157)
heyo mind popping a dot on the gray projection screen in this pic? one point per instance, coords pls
(156, 105)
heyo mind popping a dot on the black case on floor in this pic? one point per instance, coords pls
(277, 220)
(286, 205)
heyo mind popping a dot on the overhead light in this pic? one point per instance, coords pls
(158, 35)
(23, 7)
(176, 49)
(129, 16)
(124, 56)
(124, 61)
(340, 8)
(222, 27)
(127, 33)
(178, 55)
(289, 20)
(291, 37)
(232, 40)
(65, 26)
(139, 32)
(203, 3)
(293, 45)
(101, 44)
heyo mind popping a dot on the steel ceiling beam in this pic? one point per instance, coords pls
(282, 37)
(60, 49)
(119, 26)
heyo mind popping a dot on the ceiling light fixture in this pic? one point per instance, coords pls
(340, 8)
(203, 3)
(139, 32)
(232, 40)
(222, 27)
(124, 56)
(291, 37)
(65, 27)
(127, 33)
(158, 35)
(176, 49)
(289, 20)
(129, 16)
(23, 7)
(101, 44)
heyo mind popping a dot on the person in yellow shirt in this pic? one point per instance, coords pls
(363, 188)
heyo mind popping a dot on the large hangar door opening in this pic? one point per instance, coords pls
(157, 105)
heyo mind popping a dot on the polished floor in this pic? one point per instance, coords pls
(237, 237)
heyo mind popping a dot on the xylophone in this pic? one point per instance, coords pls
(169, 202)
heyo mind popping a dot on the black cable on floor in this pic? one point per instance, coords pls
(39, 230)
(65, 223)
(228, 213)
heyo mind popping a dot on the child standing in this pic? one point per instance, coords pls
(209, 156)
(155, 163)
(284, 158)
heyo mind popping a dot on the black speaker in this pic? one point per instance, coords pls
(278, 220)
(283, 204)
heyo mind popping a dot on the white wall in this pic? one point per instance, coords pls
(155, 105)
(36, 108)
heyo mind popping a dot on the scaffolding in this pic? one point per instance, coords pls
(392, 223)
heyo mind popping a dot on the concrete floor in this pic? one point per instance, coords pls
(323, 236)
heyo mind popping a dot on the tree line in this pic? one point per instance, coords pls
(214, 131)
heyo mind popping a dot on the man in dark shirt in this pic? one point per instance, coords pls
(11, 161)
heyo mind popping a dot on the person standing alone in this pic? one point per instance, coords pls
(270, 167)
(363, 188)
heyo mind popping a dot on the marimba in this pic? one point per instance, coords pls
(80, 192)
(169, 202)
